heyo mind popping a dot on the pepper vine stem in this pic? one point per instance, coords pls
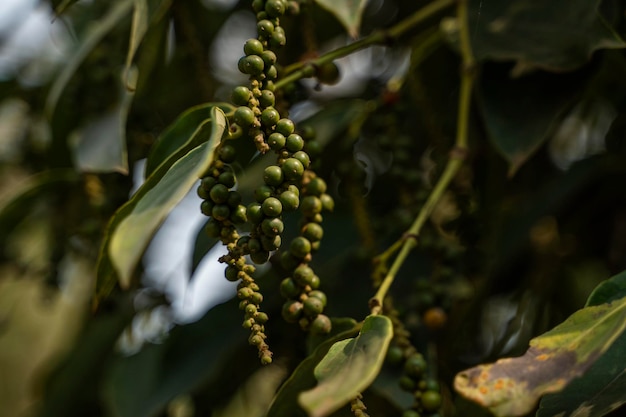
(307, 69)
(457, 157)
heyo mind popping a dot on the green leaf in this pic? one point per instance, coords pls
(144, 13)
(610, 290)
(132, 235)
(520, 114)
(285, 402)
(347, 12)
(512, 387)
(100, 146)
(601, 389)
(349, 367)
(180, 136)
(557, 35)
(96, 32)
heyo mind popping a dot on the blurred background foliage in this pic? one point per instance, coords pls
(535, 220)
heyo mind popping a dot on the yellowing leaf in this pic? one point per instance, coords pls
(512, 387)
(349, 367)
(348, 12)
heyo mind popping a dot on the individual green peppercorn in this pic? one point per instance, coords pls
(269, 117)
(252, 65)
(410, 413)
(265, 28)
(253, 47)
(247, 324)
(317, 187)
(271, 73)
(261, 15)
(313, 231)
(234, 199)
(320, 295)
(239, 215)
(307, 132)
(272, 207)
(271, 243)
(415, 365)
(431, 400)
(303, 274)
(294, 189)
(300, 247)
(232, 273)
(267, 98)
(293, 7)
(273, 175)
(255, 340)
(263, 192)
(291, 311)
(315, 282)
(254, 213)
(220, 212)
(395, 355)
(328, 204)
(272, 227)
(258, 5)
(292, 169)
(241, 95)
(303, 157)
(276, 141)
(288, 261)
(261, 317)
(269, 58)
(260, 257)
(328, 73)
(244, 116)
(207, 183)
(289, 200)
(313, 148)
(312, 306)
(275, 8)
(206, 207)
(244, 293)
(321, 325)
(202, 193)
(213, 228)
(219, 193)
(256, 297)
(289, 288)
(227, 178)
(310, 205)
(285, 127)
(254, 245)
(294, 143)
(278, 37)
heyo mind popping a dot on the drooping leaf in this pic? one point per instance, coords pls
(98, 30)
(348, 12)
(558, 35)
(285, 402)
(100, 146)
(180, 136)
(601, 389)
(512, 387)
(520, 114)
(145, 12)
(133, 233)
(349, 367)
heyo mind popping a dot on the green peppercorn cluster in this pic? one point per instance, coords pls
(305, 303)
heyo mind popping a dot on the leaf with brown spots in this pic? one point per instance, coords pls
(512, 386)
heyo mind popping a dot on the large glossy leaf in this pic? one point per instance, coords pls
(286, 401)
(558, 35)
(348, 12)
(349, 367)
(132, 235)
(95, 33)
(520, 114)
(180, 136)
(512, 387)
(601, 389)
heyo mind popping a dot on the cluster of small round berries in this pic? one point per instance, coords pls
(305, 303)
(223, 206)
